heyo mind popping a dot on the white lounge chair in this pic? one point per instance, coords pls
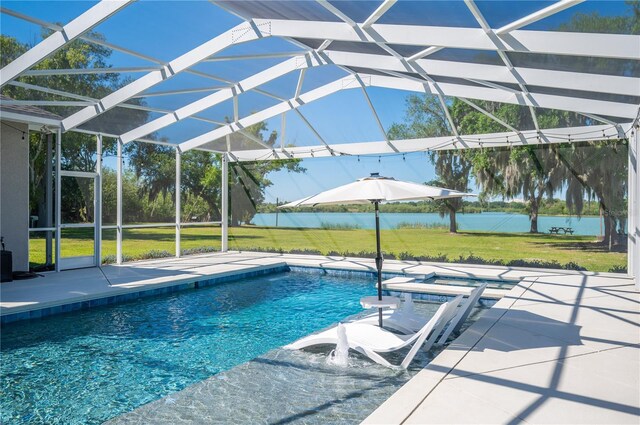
(463, 313)
(406, 321)
(371, 340)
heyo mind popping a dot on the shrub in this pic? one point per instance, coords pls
(305, 251)
(409, 225)
(154, 253)
(440, 258)
(199, 250)
(338, 226)
(618, 269)
(361, 254)
(542, 264)
(111, 259)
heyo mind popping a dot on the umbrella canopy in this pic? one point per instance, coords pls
(375, 189)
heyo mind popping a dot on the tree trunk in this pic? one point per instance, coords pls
(533, 216)
(453, 226)
(607, 227)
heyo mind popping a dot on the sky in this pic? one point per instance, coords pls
(165, 30)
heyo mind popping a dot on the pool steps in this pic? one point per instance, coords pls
(402, 284)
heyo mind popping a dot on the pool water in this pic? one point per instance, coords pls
(89, 366)
(207, 355)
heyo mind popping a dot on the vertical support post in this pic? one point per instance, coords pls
(378, 260)
(633, 205)
(98, 202)
(58, 195)
(277, 202)
(119, 205)
(225, 203)
(178, 200)
(48, 188)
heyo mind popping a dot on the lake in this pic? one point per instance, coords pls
(488, 221)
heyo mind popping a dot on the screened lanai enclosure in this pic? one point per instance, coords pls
(199, 101)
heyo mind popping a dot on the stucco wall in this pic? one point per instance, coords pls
(14, 192)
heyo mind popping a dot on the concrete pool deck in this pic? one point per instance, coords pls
(560, 347)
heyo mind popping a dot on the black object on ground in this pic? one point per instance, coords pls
(6, 264)
(21, 275)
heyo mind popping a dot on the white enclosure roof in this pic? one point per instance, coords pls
(260, 61)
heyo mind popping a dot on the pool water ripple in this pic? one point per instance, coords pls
(220, 342)
(89, 366)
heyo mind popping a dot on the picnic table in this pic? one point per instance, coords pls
(564, 230)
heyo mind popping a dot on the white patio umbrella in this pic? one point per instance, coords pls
(375, 189)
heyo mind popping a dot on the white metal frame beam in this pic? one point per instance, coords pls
(177, 92)
(374, 112)
(471, 5)
(270, 74)
(81, 71)
(473, 141)
(538, 15)
(225, 203)
(377, 14)
(89, 39)
(313, 129)
(92, 101)
(254, 56)
(633, 233)
(239, 34)
(621, 46)
(455, 90)
(337, 12)
(623, 110)
(598, 83)
(74, 29)
(489, 114)
(270, 112)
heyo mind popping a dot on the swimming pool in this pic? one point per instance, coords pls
(94, 365)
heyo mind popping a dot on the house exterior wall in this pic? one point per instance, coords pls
(14, 192)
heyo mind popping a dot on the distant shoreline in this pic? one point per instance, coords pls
(287, 211)
(511, 222)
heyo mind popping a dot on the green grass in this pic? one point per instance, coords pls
(412, 241)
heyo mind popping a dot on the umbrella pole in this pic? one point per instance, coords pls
(378, 260)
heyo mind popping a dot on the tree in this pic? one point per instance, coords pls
(424, 117)
(201, 177)
(248, 181)
(528, 171)
(600, 169)
(78, 150)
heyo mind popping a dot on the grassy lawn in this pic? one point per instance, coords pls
(414, 242)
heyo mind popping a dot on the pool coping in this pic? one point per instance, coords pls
(115, 294)
(244, 267)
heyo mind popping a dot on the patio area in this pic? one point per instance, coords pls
(560, 346)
